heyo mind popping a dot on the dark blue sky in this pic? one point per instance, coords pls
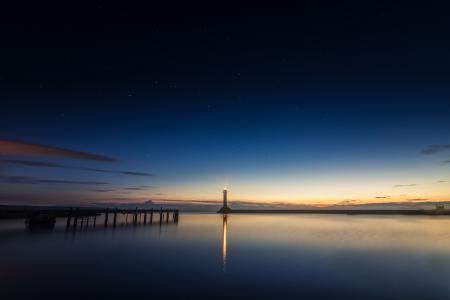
(317, 103)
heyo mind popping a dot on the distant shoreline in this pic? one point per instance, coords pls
(341, 211)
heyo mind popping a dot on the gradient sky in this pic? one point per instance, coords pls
(312, 104)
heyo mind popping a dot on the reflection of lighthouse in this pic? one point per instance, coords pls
(225, 207)
(224, 242)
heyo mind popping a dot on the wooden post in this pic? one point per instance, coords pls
(145, 217)
(95, 220)
(151, 216)
(160, 216)
(106, 216)
(75, 221)
(167, 216)
(135, 215)
(69, 217)
(115, 217)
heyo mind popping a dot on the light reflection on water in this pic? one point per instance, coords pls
(234, 256)
(224, 241)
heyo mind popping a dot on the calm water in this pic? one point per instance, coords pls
(242, 256)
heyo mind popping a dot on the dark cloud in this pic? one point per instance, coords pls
(441, 181)
(30, 163)
(383, 197)
(96, 170)
(135, 173)
(404, 185)
(447, 161)
(100, 191)
(19, 148)
(138, 188)
(31, 180)
(117, 172)
(433, 149)
(40, 164)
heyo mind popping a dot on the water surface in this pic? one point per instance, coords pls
(208, 256)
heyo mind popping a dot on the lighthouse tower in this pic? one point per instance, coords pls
(225, 207)
(225, 204)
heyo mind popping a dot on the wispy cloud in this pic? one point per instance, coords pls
(117, 172)
(404, 185)
(417, 199)
(138, 188)
(31, 180)
(135, 173)
(447, 161)
(441, 181)
(383, 197)
(433, 149)
(19, 148)
(347, 202)
(30, 163)
(40, 164)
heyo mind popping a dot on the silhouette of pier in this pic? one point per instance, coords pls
(45, 217)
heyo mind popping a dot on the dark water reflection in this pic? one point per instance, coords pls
(237, 257)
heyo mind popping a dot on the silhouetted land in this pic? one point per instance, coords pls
(342, 211)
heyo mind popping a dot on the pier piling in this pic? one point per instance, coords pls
(106, 216)
(69, 218)
(85, 217)
(115, 218)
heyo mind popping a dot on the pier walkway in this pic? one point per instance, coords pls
(44, 216)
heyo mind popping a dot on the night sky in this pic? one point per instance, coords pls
(320, 103)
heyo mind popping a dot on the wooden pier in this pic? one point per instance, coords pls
(79, 217)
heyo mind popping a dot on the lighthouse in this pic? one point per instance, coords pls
(225, 207)
(225, 204)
